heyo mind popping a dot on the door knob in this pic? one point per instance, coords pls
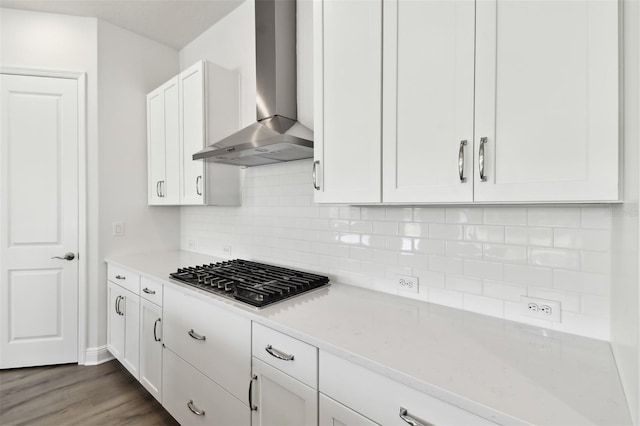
(67, 256)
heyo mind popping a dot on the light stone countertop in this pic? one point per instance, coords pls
(502, 370)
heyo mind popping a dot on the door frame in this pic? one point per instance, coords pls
(81, 78)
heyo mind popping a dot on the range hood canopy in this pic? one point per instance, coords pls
(276, 136)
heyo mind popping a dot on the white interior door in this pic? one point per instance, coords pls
(39, 220)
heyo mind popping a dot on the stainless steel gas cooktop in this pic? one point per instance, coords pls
(254, 283)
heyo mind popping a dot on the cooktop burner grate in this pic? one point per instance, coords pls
(254, 283)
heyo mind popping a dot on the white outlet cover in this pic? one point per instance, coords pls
(543, 308)
(407, 283)
(117, 229)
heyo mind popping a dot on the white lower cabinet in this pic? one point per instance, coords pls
(384, 400)
(123, 334)
(151, 348)
(193, 399)
(279, 399)
(333, 413)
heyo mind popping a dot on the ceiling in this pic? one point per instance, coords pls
(174, 23)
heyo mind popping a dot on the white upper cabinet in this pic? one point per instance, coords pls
(192, 132)
(492, 101)
(348, 101)
(428, 101)
(200, 106)
(163, 139)
(547, 100)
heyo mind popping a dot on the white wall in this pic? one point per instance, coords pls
(129, 67)
(479, 259)
(625, 292)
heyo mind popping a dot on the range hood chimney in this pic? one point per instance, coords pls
(276, 136)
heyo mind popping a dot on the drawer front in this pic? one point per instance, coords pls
(380, 398)
(289, 355)
(151, 290)
(193, 399)
(124, 278)
(212, 339)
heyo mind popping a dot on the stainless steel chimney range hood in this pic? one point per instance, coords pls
(276, 136)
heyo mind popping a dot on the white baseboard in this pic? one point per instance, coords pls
(95, 356)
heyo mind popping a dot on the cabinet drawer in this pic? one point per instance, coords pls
(212, 339)
(187, 392)
(380, 398)
(124, 278)
(151, 290)
(289, 355)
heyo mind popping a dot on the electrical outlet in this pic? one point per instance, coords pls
(227, 250)
(407, 283)
(540, 308)
(117, 229)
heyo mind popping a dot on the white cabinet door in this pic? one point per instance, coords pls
(192, 133)
(193, 399)
(547, 100)
(163, 144)
(333, 413)
(151, 348)
(348, 95)
(214, 340)
(428, 101)
(280, 399)
(130, 308)
(115, 324)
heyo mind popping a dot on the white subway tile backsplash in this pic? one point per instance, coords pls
(464, 215)
(427, 246)
(529, 236)
(528, 275)
(428, 214)
(554, 216)
(489, 234)
(385, 228)
(478, 258)
(446, 232)
(445, 264)
(504, 291)
(505, 216)
(487, 270)
(464, 249)
(463, 284)
(585, 239)
(555, 258)
(504, 253)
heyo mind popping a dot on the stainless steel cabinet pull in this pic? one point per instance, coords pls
(120, 277)
(67, 256)
(196, 336)
(404, 415)
(146, 290)
(314, 175)
(483, 177)
(155, 325)
(253, 407)
(162, 194)
(278, 354)
(158, 189)
(116, 305)
(461, 161)
(193, 409)
(120, 298)
(198, 179)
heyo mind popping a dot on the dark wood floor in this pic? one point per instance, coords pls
(60, 395)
